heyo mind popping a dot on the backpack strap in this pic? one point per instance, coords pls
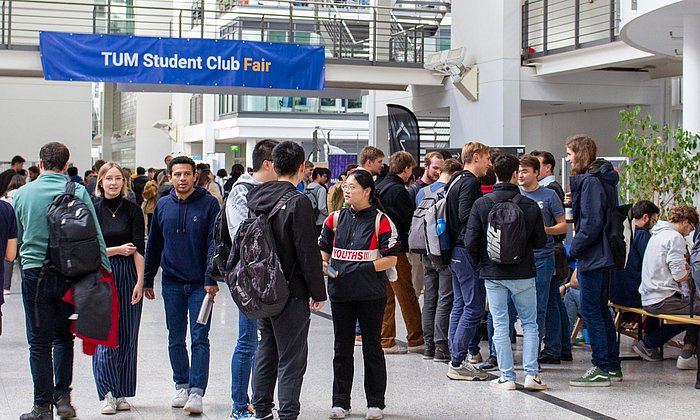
(70, 187)
(248, 186)
(285, 199)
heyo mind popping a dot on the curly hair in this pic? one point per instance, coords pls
(683, 212)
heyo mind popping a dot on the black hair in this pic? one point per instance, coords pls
(287, 156)
(87, 173)
(202, 166)
(181, 160)
(643, 207)
(504, 166)
(17, 159)
(261, 152)
(364, 178)
(72, 171)
(317, 172)
(384, 171)
(140, 170)
(418, 172)
(33, 169)
(349, 168)
(489, 178)
(221, 173)
(54, 156)
(328, 173)
(547, 158)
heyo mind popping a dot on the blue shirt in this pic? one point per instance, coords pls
(551, 208)
(8, 230)
(433, 187)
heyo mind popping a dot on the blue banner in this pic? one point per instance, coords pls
(181, 61)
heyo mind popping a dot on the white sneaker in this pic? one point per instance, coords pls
(374, 413)
(123, 404)
(339, 413)
(503, 383)
(474, 358)
(396, 349)
(534, 383)
(690, 363)
(194, 404)
(109, 405)
(180, 398)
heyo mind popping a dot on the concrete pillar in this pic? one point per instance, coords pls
(107, 111)
(691, 73)
(208, 118)
(249, 145)
(380, 33)
(152, 144)
(491, 36)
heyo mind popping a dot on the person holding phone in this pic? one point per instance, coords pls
(358, 244)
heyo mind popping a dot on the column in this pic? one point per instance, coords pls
(249, 145)
(208, 118)
(107, 116)
(691, 73)
(380, 32)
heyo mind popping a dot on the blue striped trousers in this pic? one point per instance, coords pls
(115, 369)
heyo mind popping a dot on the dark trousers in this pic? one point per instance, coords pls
(468, 306)
(282, 354)
(438, 298)
(369, 314)
(48, 333)
(595, 311)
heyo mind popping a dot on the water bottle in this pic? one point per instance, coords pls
(205, 310)
(443, 234)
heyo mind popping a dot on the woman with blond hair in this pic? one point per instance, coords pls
(121, 221)
(593, 195)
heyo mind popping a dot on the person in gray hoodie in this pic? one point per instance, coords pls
(664, 270)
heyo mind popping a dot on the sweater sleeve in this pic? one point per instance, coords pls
(475, 236)
(327, 238)
(467, 196)
(305, 242)
(388, 237)
(154, 250)
(675, 258)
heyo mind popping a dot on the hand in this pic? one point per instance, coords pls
(325, 267)
(137, 294)
(149, 293)
(126, 249)
(316, 306)
(562, 290)
(212, 290)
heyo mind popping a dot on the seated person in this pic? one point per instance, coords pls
(664, 270)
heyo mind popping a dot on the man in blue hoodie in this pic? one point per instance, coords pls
(181, 242)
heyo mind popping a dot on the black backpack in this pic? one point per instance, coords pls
(222, 242)
(254, 271)
(506, 235)
(74, 249)
(620, 234)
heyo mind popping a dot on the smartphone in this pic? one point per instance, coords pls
(332, 272)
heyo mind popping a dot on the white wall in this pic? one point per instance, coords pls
(34, 112)
(152, 144)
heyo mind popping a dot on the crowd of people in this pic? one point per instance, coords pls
(501, 225)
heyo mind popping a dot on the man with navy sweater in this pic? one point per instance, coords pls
(181, 242)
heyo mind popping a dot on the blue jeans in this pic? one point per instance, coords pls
(594, 309)
(468, 306)
(543, 280)
(572, 305)
(557, 344)
(48, 334)
(179, 299)
(523, 294)
(242, 361)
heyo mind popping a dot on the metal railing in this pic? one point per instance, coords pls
(348, 31)
(555, 26)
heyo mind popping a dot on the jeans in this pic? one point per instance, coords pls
(437, 304)
(179, 299)
(369, 314)
(572, 304)
(468, 307)
(242, 361)
(667, 331)
(48, 333)
(594, 309)
(543, 281)
(523, 294)
(282, 354)
(564, 339)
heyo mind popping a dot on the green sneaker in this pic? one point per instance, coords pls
(615, 375)
(593, 377)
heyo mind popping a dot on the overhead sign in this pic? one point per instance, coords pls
(181, 61)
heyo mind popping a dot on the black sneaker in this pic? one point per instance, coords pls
(546, 359)
(39, 412)
(429, 352)
(64, 408)
(441, 355)
(567, 357)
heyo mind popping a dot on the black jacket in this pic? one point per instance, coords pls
(461, 197)
(357, 280)
(137, 185)
(398, 205)
(475, 238)
(556, 187)
(295, 236)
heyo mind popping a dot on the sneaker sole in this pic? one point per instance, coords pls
(441, 360)
(178, 405)
(590, 384)
(615, 379)
(465, 378)
(193, 410)
(66, 414)
(508, 388)
(535, 388)
(427, 357)
(644, 355)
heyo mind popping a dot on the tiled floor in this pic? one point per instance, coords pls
(417, 389)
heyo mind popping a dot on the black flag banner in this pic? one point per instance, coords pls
(403, 131)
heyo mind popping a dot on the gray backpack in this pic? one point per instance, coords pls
(419, 235)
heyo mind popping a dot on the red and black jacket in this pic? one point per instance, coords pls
(358, 239)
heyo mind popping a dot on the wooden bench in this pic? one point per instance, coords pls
(665, 318)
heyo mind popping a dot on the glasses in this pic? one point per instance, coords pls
(347, 188)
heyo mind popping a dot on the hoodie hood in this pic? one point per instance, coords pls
(183, 205)
(663, 226)
(262, 199)
(600, 168)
